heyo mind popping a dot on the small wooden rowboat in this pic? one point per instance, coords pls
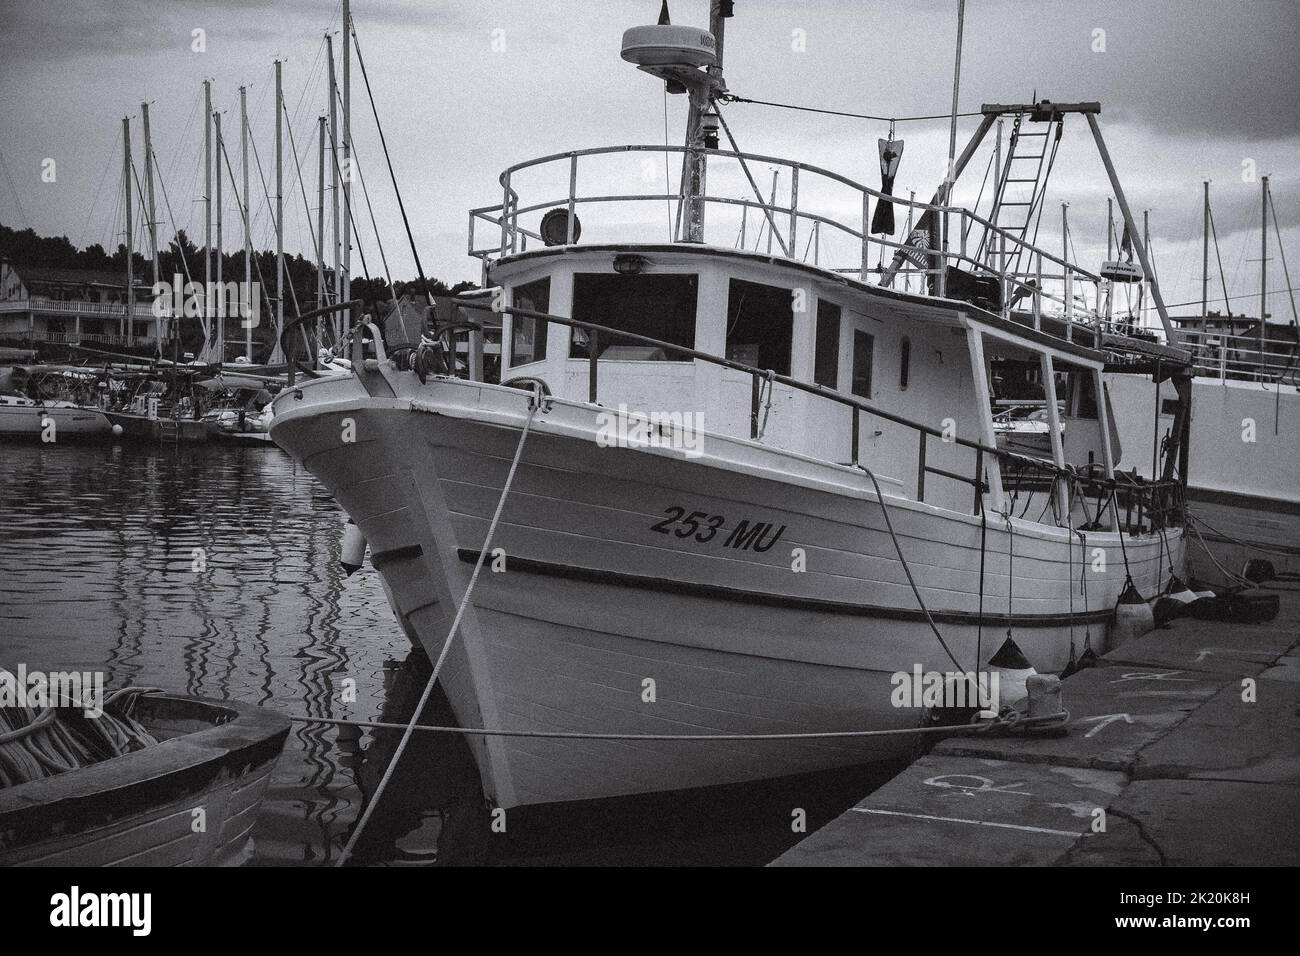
(190, 800)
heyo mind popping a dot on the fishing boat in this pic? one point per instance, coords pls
(1242, 487)
(189, 799)
(739, 490)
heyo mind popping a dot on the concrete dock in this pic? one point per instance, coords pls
(1183, 748)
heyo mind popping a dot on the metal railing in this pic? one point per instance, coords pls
(74, 307)
(1245, 355)
(1048, 285)
(1157, 503)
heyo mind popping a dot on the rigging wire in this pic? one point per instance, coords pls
(732, 98)
(98, 190)
(356, 43)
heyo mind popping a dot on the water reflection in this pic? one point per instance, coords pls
(214, 570)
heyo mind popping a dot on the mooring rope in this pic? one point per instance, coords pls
(908, 570)
(1008, 719)
(446, 644)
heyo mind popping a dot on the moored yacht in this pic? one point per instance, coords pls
(751, 488)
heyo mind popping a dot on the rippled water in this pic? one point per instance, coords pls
(98, 550)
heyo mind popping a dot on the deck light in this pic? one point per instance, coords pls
(626, 264)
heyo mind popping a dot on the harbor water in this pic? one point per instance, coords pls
(213, 570)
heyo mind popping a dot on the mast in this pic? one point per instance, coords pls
(1205, 263)
(950, 174)
(148, 179)
(701, 103)
(1263, 264)
(129, 315)
(207, 204)
(248, 242)
(220, 296)
(276, 352)
(1142, 288)
(334, 162)
(320, 214)
(346, 286)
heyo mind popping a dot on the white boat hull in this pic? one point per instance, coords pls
(20, 418)
(593, 602)
(1244, 484)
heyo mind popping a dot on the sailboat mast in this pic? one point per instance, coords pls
(148, 179)
(207, 204)
(248, 241)
(320, 213)
(346, 285)
(276, 351)
(334, 162)
(130, 250)
(1263, 264)
(220, 297)
(1205, 262)
(950, 173)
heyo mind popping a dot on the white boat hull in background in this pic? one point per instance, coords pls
(1244, 481)
(24, 418)
(589, 601)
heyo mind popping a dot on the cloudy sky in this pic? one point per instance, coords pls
(1191, 90)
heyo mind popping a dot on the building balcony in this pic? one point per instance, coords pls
(42, 305)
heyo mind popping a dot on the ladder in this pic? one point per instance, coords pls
(1028, 161)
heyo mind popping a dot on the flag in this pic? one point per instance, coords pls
(891, 151)
(917, 248)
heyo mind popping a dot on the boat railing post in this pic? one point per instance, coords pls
(754, 395)
(920, 466)
(866, 227)
(573, 197)
(505, 213)
(794, 208)
(856, 419)
(593, 353)
(1038, 290)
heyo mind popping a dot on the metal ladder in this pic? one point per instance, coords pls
(1015, 170)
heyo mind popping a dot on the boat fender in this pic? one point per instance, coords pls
(1258, 570)
(1180, 592)
(1133, 616)
(1013, 670)
(354, 548)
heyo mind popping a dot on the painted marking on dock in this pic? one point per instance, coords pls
(1106, 721)
(985, 785)
(1152, 675)
(979, 823)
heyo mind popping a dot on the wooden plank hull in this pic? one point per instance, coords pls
(598, 591)
(189, 801)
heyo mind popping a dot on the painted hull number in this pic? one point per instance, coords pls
(703, 527)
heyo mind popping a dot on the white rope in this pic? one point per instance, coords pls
(981, 727)
(446, 644)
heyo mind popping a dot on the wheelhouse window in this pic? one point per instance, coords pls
(826, 359)
(656, 306)
(760, 325)
(864, 347)
(528, 337)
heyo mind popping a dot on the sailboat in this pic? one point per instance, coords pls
(1242, 481)
(739, 492)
